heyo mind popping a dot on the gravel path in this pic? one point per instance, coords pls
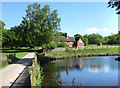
(11, 72)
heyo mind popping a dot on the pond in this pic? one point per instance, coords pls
(87, 71)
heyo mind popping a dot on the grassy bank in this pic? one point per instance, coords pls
(39, 72)
(71, 52)
(19, 54)
(39, 76)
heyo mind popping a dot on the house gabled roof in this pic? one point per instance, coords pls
(77, 38)
(66, 39)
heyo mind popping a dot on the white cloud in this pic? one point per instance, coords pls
(95, 30)
(104, 29)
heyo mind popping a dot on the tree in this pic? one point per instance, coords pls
(78, 35)
(2, 24)
(86, 41)
(95, 39)
(39, 25)
(115, 4)
(19, 36)
(8, 38)
(60, 34)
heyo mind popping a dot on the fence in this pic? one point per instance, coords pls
(101, 46)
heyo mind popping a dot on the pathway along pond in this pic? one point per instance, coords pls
(89, 71)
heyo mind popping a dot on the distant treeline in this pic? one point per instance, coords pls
(97, 38)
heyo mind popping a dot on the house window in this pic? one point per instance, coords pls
(80, 45)
(80, 41)
(70, 42)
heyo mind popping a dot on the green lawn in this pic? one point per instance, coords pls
(19, 54)
(72, 51)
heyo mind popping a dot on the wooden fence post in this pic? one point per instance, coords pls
(32, 70)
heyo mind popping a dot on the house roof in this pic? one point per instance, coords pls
(77, 38)
(66, 39)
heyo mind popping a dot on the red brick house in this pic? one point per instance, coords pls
(72, 41)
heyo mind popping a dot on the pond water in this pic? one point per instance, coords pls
(88, 71)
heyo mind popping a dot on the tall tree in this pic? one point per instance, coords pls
(95, 39)
(8, 38)
(39, 25)
(115, 4)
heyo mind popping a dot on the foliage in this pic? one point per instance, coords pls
(60, 34)
(62, 44)
(78, 35)
(115, 4)
(49, 46)
(86, 41)
(114, 39)
(95, 39)
(10, 61)
(70, 52)
(8, 38)
(39, 25)
(39, 77)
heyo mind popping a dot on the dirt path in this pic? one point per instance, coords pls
(11, 72)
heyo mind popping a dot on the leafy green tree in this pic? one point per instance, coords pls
(60, 34)
(39, 25)
(19, 36)
(114, 39)
(78, 35)
(95, 39)
(86, 41)
(8, 38)
(115, 4)
(2, 24)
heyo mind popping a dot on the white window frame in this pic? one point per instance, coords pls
(71, 42)
(80, 41)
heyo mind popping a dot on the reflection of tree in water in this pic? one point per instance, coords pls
(51, 74)
(52, 71)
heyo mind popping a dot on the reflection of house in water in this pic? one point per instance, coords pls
(72, 65)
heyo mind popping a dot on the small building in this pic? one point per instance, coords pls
(72, 41)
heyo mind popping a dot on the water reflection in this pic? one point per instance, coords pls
(93, 71)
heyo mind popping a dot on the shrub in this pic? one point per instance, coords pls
(10, 61)
(53, 45)
(44, 46)
(39, 76)
(62, 44)
(49, 46)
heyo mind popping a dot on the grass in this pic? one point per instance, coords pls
(20, 52)
(39, 76)
(70, 52)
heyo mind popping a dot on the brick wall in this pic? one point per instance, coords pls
(80, 43)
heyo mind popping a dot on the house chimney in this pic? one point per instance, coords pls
(66, 35)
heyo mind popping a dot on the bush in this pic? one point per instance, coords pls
(44, 46)
(10, 61)
(62, 44)
(49, 46)
(39, 76)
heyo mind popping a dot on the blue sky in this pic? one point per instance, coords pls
(76, 17)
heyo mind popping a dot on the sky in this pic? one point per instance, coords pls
(76, 17)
